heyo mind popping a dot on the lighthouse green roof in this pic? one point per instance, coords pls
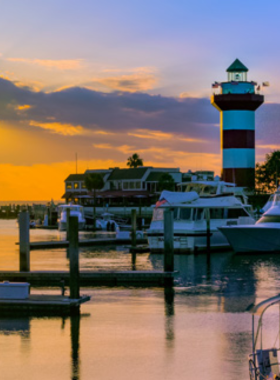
(237, 66)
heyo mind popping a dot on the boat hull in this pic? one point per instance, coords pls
(247, 239)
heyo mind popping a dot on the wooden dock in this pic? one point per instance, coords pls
(82, 243)
(42, 305)
(90, 278)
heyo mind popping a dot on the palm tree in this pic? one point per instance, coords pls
(134, 161)
(93, 182)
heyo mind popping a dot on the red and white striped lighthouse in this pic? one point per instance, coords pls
(237, 103)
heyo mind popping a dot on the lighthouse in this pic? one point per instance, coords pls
(237, 103)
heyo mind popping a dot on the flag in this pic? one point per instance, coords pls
(234, 82)
(258, 88)
(265, 84)
(161, 202)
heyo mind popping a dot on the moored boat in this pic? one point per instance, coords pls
(190, 214)
(75, 210)
(263, 236)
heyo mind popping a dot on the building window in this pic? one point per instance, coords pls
(125, 185)
(138, 185)
(76, 185)
(83, 185)
(68, 185)
(132, 185)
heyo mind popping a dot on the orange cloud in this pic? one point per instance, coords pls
(62, 129)
(140, 79)
(23, 107)
(63, 64)
(148, 134)
(270, 146)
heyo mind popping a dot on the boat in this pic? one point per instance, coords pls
(263, 361)
(75, 210)
(273, 200)
(190, 220)
(216, 187)
(263, 236)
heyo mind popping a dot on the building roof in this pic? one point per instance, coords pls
(155, 176)
(127, 174)
(237, 66)
(75, 177)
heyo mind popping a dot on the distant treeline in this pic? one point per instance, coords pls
(11, 211)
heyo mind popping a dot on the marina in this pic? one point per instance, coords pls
(203, 318)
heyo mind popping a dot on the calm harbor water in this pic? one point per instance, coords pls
(202, 332)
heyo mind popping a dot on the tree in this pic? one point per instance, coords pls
(268, 173)
(134, 161)
(93, 182)
(166, 182)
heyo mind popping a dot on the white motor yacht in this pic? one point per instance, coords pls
(274, 200)
(75, 210)
(190, 220)
(264, 236)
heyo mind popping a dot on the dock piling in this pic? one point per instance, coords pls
(133, 238)
(208, 234)
(74, 257)
(24, 242)
(168, 240)
(133, 228)
(67, 223)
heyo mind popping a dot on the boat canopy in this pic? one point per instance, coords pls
(178, 197)
(260, 308)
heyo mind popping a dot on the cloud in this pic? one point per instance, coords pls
(23, 107)
(133, 121)
(140, 79)
(62, 129)
(62, 64)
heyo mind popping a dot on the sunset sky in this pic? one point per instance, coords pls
(107, 79)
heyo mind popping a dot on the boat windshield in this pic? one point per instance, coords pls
(72, 208)
(269, 219)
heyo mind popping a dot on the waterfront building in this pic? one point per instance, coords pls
(237, 103)
(121, 186)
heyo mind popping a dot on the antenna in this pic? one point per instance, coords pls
(76, 163)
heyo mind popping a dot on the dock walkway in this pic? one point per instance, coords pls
(42, 304)
(90, 278)
(82, 243)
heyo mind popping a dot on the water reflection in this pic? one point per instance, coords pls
(75, 345)
(169, 315)
(21, 326)
(14, 325)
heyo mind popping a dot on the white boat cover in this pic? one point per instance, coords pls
(177, 197)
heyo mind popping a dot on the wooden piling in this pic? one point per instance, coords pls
(168, 240)
(67, 223)
(24, 242)
(208, 233)
(133, 228)
(74, 257)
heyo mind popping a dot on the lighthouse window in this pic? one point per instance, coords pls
(237, 76)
